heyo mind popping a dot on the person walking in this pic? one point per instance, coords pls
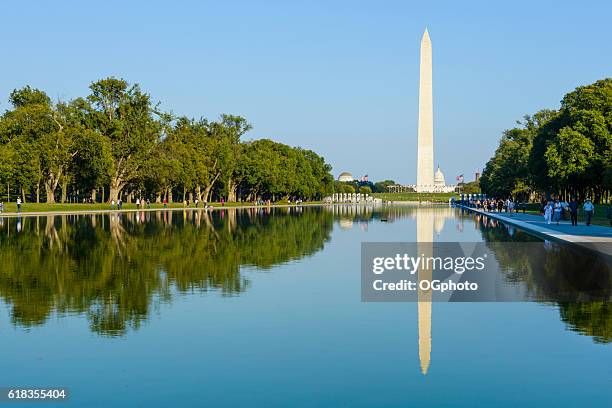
(510, 206)
(573, 207)
(113, 204)
(557, 211)
(548, 212)
(588, 208)
(119, 204)
(148, 203)
(165, 203)
(18, 204)
(1, 207)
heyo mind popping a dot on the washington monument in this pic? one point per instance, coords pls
(425, 159)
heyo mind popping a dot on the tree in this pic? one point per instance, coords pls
(572, 150)
(381, 186)
(43, 139)
(557, 152)
(123, 114)
(365, 190)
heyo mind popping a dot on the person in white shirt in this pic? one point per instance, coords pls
(588, 208)
(548, 212)
(557, 211)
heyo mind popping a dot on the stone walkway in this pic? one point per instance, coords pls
(595, 237)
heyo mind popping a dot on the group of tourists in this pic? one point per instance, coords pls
(18, 205)
(141, 203)
(119, 204)
(496, 205)
(196, 202)
(554, 210)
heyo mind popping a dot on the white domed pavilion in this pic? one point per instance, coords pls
(346, 176)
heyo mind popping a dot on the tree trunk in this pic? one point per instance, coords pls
(209, 187)
(64, 191)
(231, 191)
(116, 186)
(50, 190)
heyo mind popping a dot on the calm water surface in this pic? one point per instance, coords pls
(259, 307)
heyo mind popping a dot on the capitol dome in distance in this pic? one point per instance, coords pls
(439, 178)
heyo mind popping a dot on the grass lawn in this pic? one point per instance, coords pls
(432, 197)
(74, 207)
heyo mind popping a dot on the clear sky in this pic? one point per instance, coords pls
(337, 77)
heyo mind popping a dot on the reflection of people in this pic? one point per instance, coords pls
(588, 208)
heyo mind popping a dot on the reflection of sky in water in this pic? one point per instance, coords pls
(300, 336)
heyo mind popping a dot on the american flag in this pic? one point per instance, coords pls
(459, 177)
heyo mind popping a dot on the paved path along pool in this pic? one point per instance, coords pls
(594, 236)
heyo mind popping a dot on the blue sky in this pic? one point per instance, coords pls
(337, 77)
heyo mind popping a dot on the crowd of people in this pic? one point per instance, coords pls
(495, 205)
(553, 210)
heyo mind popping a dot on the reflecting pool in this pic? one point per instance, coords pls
(262, 307)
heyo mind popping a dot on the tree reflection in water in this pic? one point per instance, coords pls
(578, 280)
(116, 268)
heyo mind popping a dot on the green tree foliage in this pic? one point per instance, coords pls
(555, 152)
(473, 187)
(123, 115)
(344, 187)
(365, 190)
(42, 138)
(381, 186)
(117, 141)
(270, 170)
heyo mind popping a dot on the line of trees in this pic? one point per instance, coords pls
(565, 152)
(116, 143)
(363, 187)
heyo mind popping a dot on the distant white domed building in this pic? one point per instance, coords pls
(346, 176)
(439, 178)
(439, 186)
